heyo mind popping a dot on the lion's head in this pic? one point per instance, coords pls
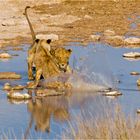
(62, 56)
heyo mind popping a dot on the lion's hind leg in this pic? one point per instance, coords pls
(30, 64)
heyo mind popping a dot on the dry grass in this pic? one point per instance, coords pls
(111, 126)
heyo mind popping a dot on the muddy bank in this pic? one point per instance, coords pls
(67, 19)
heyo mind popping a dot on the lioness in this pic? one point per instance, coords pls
(48, 61)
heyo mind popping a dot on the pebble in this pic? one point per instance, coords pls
(113, 93)
(131, 54)
(134, 73)
(7, 86)
(95, 37)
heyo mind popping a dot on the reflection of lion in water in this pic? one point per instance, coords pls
(48, 61)
(43, 110)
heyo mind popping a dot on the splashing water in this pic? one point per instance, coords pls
(90, 70)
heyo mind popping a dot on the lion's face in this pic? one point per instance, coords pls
(62, 56)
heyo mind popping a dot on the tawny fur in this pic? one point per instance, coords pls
(48, 62)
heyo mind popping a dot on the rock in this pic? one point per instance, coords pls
(109, 33)
(17, 87)
(17, 95)
(9, 75)
(132, 41)
(88, 17)
(134, 73)
(53, 37)
(113, 93)
(5, 55)
(95, 37)
(114, 40)
(7, 86)
(131, 54)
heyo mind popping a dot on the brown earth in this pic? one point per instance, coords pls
(71, 20)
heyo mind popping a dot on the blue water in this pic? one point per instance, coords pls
(54, 113)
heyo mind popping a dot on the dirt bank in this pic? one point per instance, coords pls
(71, 20)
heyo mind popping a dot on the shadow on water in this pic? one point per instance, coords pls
(96, 67)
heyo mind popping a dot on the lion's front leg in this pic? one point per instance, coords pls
(38, 75)
(30, 72)
(34, 84)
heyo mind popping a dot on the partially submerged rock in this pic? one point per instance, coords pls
(132, 41)
(7, 86)
(5, 55)
(9, 75)
(113, 93)
(134, 73)
(131, 55)
(18, 95)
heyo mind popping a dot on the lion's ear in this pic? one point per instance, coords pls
(37, 40)
(69, 50)
(49, 41)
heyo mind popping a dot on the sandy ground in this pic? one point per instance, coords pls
(71, 20)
